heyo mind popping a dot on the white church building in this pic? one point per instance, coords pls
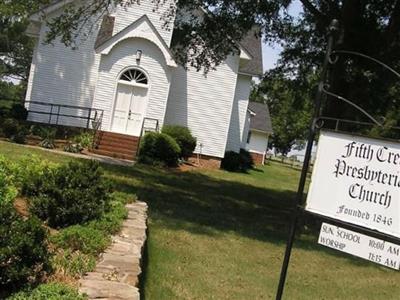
(123, 78)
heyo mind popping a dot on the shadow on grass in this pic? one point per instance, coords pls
(258, 170)
(205, 205)
(201, 204)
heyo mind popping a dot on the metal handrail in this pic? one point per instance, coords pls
(156, 129)
(96, 128)
(56, 109)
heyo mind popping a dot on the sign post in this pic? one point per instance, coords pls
(355, 184)
(333, 29)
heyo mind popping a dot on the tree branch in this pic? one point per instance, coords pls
(313, 10)
(394, 24)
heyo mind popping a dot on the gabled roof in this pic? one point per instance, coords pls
(106, 31)
(260, 117)
(49, 8)
(141, 28)
(252, 44)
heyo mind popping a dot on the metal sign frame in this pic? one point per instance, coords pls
(317, 123)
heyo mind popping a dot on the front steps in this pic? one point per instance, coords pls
(116, 145)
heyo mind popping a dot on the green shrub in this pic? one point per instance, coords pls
(15, 131)
(48, 136)
(32, 174)
(85, 139)
(36, 129)
(159, 149)
(183, 137)
(73, 263)
(47, 144)
(18, 112)
(237, 162)
(51, 291)
(74, 193)
(20, 136)
(111, 222)
(9, 127)
(7, 189)
(81, 238)
(24, 257)
(73, 147)
(246, 159)
(231, 161)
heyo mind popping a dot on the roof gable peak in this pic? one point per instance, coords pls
(141, 28)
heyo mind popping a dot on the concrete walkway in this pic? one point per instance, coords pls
(117, 274)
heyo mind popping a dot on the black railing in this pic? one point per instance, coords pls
(150, 125)
(92, 117)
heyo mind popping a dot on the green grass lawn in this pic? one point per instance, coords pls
(218, 235)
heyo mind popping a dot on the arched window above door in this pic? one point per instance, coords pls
(134, 76)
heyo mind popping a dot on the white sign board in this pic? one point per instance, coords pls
(375, 250)
(357, 180)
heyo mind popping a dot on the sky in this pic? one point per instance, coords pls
(271, 53)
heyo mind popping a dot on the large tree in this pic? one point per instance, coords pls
(371, 27)
(15, 47)
(368, 26)
(290, 105)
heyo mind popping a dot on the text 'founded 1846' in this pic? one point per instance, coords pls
(357, 180)
(375, 250)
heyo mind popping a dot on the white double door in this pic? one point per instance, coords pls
(130, 108)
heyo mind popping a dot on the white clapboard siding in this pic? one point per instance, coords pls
(239, 113)
(204, 104)
(123, 56)
(63, 75)
(258, 142)
(126, 15)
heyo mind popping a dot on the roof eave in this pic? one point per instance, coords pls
(262, 131)
(38, 16)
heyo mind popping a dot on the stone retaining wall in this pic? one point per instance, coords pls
(117, 274)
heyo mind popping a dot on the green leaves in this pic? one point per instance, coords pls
(290, 105)
(8, 191)
(183, 136)
(23, 249)
(71, 194)
(15, 47)
(51, 291)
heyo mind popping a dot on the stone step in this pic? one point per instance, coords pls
(103, 289)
